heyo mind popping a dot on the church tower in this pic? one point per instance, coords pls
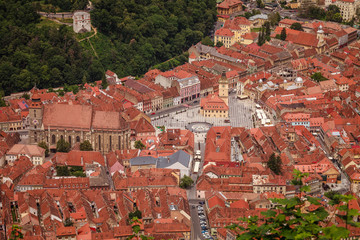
(224, 88)
(35, 117)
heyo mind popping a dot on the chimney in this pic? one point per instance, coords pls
(82, 161)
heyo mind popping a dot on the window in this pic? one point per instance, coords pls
(70, 140)
(53, 139)
(110, 143)
(99, 142)
(77, 139)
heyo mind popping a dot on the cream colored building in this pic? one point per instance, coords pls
(35, 153)
(347, 8)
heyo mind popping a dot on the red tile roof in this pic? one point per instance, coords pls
(224, 32)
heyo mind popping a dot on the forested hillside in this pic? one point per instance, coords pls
(47, 56)
(133, 36)
(147, 32)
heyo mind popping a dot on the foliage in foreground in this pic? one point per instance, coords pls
(291, 220)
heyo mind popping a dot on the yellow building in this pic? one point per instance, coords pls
(226, 36)
(233, 31)
(213, 106)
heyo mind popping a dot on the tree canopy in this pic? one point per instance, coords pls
(139, 145)
(296, 26)
(283, 34)
(145, 33)
(35, 53)
(86, 146)
(132, 37)
(275, 164)
(63, 146)
(44, 146)
(186, 181)
(318, 77)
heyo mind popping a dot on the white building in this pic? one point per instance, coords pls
(81, 22)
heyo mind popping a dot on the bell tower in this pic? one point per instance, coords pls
(224, 88)
(35, 117)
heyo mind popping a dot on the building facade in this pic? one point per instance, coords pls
(105, 130)
(81, 22)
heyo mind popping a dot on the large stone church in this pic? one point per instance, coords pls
(106, 131)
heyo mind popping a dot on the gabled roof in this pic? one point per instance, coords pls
(178, 157)
(229, 3)
(25, 149)
(224, 32)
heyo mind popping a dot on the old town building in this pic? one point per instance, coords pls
(106, 130)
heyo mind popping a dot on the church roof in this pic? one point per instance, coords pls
(67, 116)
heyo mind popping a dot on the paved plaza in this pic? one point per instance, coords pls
(240, 115)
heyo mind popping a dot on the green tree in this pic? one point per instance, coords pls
(104, 83)
(267, 28)
(318, 77)
(136, 230)
(63, 146)
(16, 233)
(260, 4)
(283, 34)
(26, 96)
(86, 146)
(275, 164)
(290, 220)
(137, 213)
(186, 181)
(260, 39)
(44, 146)
(139, 145)
(207, 41)
(62, 171)
(219, 44)
(2, 101)
(296, 26)
(68, 222)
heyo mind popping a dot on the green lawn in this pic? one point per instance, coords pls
(65, 20)
(256, 29)
(48, 23)
(80, 36)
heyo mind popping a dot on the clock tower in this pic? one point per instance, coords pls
(35, 117)
(224, 88)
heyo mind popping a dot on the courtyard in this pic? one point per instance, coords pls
(240, 115)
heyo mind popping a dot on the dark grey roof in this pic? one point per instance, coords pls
(138, 161)
(180, 156)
